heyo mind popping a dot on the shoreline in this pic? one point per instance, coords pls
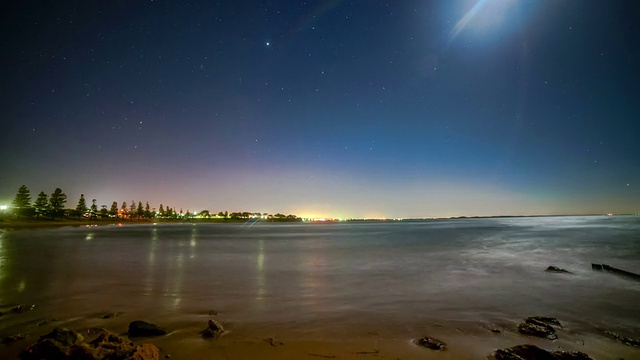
(12, 224)
(43, 224)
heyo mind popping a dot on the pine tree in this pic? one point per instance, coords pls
(114, 209)
(140, 210)
(57, 200)
(41, 204)
(124, 209)
(147, 211)
(94, 208)
(161, 211)
(22, 201)
(81, 208)
(104, 212)
(132, 209)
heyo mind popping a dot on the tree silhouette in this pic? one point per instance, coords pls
(94, 208)
(104, 212)
(57, 200)
(147, 211)
(41, 204)
(140, 210)
(124, 209)
(132, 210)
(22, 201)
(81, 208)
(114, 209)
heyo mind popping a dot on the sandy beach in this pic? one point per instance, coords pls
(370, 340)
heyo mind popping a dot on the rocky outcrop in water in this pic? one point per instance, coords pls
(611, 269)
(432, 343)
(141, 328)
(540, 326)
(623, 339)
(532, 352)
(12, 339)
(18, 309)
(214, 329)
(66, 344)
(555, 269)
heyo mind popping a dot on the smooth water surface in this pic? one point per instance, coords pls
(311, 275)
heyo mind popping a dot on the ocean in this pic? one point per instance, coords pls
(331, 280)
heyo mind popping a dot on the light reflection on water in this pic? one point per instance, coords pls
(478, 269)
(260, 271)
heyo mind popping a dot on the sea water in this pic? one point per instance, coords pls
(317, 278)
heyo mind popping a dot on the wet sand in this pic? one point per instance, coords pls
(374, 340)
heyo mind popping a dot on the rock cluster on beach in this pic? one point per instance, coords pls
(623, 339)
(432, 343)
(540, 326)
(18, 309)
(62, 343)
(524, 352)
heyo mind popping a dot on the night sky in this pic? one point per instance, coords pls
(325, 108)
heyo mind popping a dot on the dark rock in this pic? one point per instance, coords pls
(145, 352)
(537, 330)
(556, 269)
(46, 349)
(532, 352)
(63, 336)
(611, 269)
(93, 331)
(13, 338)
(113, 347)
(214, 329)
(623, 339)
(212, 312)
(19, 309)
(106, 345)
(273, 342)
(431, 343)
(111, 315)
(540, 326)
(54, 345)
(544, 319)
(496, 331)
(142, 328)
(65, 344)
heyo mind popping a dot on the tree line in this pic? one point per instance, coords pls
(54, 206)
